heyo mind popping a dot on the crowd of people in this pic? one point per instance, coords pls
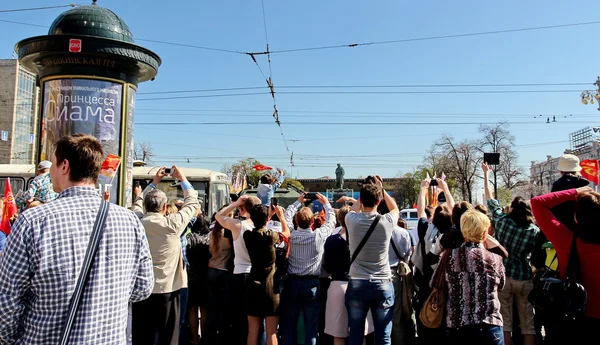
(256, 273)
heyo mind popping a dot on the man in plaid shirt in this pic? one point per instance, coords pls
(517, 232)
(45, 251)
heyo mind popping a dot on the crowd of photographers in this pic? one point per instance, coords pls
(255, 273)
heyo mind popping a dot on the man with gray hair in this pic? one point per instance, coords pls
(160, 312)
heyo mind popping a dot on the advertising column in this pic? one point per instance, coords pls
(84, 106)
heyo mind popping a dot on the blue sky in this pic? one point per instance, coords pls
(560, 55)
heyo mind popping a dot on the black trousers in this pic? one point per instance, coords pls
(159, 314)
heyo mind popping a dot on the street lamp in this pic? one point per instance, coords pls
(590, 96)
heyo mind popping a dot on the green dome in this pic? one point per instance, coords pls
(91, 20)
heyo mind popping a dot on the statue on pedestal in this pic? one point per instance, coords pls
(339, 177)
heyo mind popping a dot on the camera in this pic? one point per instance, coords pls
(274, 202)
(310, 196)
(168, 171)
(433, 183)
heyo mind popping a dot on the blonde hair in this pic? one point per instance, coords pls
(171, 209)
(474, 226)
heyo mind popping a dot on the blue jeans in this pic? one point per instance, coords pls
(374, 295)
(2, 240)
(300, 294)
(479, 334)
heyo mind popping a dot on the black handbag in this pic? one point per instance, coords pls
(561, 300)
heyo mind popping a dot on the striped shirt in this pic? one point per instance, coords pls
(306, 245)
(40, 267)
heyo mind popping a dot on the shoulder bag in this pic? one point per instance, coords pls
(432, 312)
(85, 271)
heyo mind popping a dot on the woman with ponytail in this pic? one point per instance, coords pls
(262, 290)
(219, 272)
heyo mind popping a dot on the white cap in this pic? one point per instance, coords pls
(569, 163)
(43, 165)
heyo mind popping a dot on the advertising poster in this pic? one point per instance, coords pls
(130, 145)
(85, 106)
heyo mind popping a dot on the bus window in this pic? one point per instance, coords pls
(173, 190)
(219, 196)
(413, 215)
(16, 184)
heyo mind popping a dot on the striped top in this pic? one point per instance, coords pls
(306, 245)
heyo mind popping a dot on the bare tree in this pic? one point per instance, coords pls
(498, 139)
(459, 160)
(143, 151)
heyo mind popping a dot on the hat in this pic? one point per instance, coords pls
(43, 165)
(569, 163)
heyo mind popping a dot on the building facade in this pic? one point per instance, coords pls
(19, 99)
(543, 174)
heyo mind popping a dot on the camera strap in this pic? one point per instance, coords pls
(364, 240)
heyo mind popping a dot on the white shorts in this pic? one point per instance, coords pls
(336, 315)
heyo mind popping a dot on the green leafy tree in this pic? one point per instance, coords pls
(291, 181)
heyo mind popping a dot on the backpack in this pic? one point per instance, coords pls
(562, 301)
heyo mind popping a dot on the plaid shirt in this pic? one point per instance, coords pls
(40, 265)
(40, 189)
(519, 242)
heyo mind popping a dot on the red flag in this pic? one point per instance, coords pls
(10, 208)
(590, 170)
(260, 167)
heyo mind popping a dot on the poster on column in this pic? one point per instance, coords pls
(85, 106)
(130, 145)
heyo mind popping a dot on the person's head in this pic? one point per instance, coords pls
(520, 212)
(201, 225)
(248, 204)
(457, 212)
(259, 214)
(481, 208)
(265, 179)
(569, 164)
(35, 203)
(370, 195)
(155, 201)
(43, 167)
(442, 218)
(402, 223)
(429, 212)
(474, 226)
(341, 216)
(305, 218)
(76, 161)
(319, 220)
(587, 208)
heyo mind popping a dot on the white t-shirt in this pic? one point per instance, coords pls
(241, 262)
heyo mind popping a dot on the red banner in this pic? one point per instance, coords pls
(260, 167)
(590, 170)
(10, 208)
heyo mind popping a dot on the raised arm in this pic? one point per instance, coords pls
(389, 201)
(234, 225)
(487, 187)
(285, 230)
(422, 199)
(180, 220)
(541, 206)
(327, 228)
(279, 180)
(447, 193)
